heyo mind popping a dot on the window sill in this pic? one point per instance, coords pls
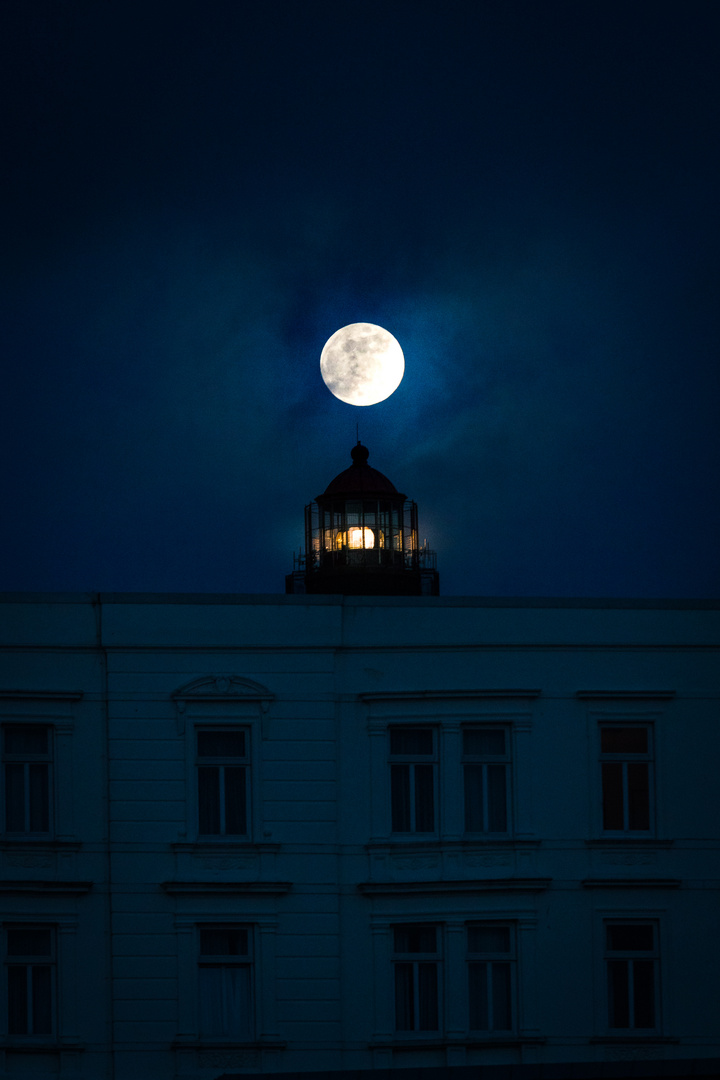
(221, 843)
(432, 1041)
(628, 839)
(409, 840)
(19, 841)
(256, 888)
(469, 885)
(40, 1044)
(631, 883)
(397, 843)
(621, 1040)
(193, 1042)
(412, 1041)
(476, 1041)
(53, 888)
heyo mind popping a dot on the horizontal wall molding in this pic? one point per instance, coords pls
(41, 695)
(254, 888)
(625, 695)
(628, 843)
(631, 883)
(54, 888)
(447, 695)
(412, 888)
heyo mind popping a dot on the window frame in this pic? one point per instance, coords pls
(223, 762)
(453, 978)
(27, 759)
(262, 923)
(222, 702)
(625, 758)
(469, 760)
(448, 712)
(28, 961)
(630, 708)
(412, 761)
(631, 956)
(491, 957)
(225, 962)
(416, 959)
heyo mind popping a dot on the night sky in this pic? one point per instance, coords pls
(197, 195)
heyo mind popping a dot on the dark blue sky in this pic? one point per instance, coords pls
(196, 195)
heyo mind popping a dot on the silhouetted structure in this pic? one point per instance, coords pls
(361, 539)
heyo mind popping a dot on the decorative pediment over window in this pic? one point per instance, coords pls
(221, 688)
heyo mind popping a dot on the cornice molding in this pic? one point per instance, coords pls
(413, 888)
(447, 695)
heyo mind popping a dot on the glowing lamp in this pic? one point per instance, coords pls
(361, 538)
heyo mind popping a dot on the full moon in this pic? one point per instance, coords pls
(362, 364)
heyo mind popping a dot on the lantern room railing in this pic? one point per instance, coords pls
(348, 534)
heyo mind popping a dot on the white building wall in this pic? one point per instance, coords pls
(321, 880)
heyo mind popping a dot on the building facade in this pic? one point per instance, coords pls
(255, 834)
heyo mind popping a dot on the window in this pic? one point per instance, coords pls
(491, 963)
(413, 768)
(29, 962)
(27, 759)
(222, 775)
(631, 958)
(486, 765)
(416, 961)
(625, 762)
(224, 984)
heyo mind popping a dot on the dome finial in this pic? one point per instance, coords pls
(359, 454)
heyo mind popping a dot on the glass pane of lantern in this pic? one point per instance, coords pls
(352, 513)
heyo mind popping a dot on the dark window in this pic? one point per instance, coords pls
(631, 959)
(29, 963)
(486, 775)
(416, 962)
(223, 767)
(413, 770)
(225, 982)
(27, 761)
(625, 762)
(491, 962)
